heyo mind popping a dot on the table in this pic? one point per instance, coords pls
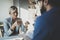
(17, 37)
(12, 38)
(1, 30)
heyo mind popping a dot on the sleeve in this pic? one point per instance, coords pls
(22, 29)
(7, 30)
(29, 33)
(40, 29)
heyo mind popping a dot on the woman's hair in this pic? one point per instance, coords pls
(13, 8)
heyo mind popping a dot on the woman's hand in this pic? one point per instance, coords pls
(14, 25)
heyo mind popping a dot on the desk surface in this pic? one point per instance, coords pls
(1, 25)
(19, 37)
(12, 38)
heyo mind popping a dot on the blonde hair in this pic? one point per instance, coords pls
(13, 8)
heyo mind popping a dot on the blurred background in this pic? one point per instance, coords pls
(27, 10)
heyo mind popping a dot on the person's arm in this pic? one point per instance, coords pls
(22, 29)
(40, 29)
(7, 30)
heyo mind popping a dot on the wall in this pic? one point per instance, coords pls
(16, 3)
(23, 9)
(4, 8)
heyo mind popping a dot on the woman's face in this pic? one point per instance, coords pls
(14, 14)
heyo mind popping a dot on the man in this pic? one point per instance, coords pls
(47, 26)
(13, 25)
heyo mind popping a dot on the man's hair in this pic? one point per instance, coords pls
(53, 2)
(12, 8)
(40, 0)
(34, 2)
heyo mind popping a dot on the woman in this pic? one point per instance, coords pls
(11, 24)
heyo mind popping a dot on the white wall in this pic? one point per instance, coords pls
(23, 10)
(4, 8)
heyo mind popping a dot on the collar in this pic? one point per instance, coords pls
(50, 11)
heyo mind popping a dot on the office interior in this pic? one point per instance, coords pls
(24, 11)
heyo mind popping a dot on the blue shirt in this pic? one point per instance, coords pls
(44, 27)
(7, 25)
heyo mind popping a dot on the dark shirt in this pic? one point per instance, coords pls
(47, 26)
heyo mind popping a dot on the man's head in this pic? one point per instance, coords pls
(13, 12)
(48, 4)
(41, 4)
(53, 2)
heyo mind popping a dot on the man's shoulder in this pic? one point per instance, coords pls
(40, 17)
(8, 18)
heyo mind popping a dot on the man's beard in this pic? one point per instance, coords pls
(43, 9)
